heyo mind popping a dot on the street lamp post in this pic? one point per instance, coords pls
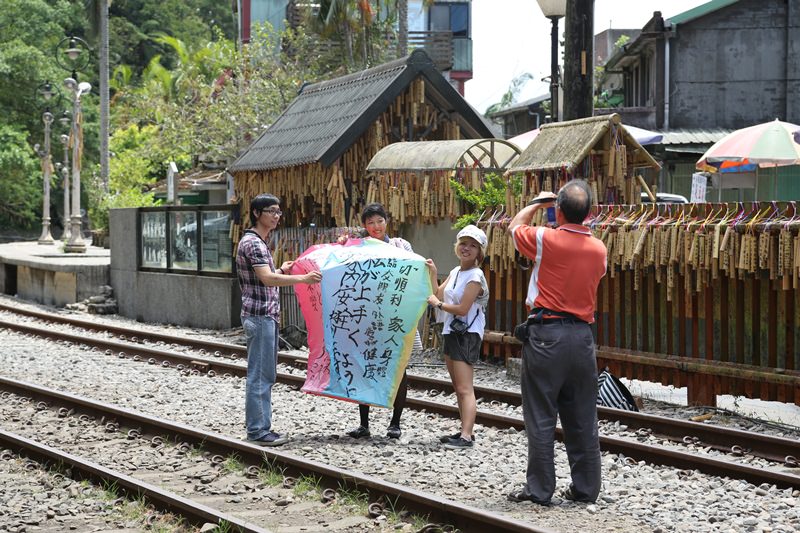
(65, 178)
(72, 49)
(76, 243)
(554, 10)
(46, 90)
(66, 122)
(46, 237)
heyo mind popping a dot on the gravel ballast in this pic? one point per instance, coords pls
(634, 497)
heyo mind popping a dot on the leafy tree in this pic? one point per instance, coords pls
(140, 159)
(491, 196)
(20, 179)
(186, 95)
(208, 106)
(30, 32)
(355, 31)
(510, 96)
(218, 98)
(133, 23)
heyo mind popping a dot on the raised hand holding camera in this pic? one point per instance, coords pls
(544, 197)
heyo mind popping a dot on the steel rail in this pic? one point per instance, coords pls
(424, 503)
(633, 449)
(128, 333)
(727, 440)
(719, 368)
(165, 501)
(125, 348)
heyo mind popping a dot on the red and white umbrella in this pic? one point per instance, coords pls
(770, 144)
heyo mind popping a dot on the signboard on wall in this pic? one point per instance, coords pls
(699, 183)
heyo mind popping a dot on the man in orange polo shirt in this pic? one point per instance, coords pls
(559, 369)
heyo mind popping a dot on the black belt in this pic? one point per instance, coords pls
(560, 321)
(541, 315)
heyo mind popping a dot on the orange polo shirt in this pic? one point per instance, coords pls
(568, 263)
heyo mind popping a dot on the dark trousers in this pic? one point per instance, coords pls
(399, 404)
(559, 377)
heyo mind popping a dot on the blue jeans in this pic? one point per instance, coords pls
(262, 369)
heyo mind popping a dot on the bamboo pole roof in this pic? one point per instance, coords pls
(566, 144)
(485, 154)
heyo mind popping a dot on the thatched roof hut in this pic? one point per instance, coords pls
(598, 149)
(315, 154)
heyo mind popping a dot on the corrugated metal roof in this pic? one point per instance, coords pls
(326, 118)
(520, 106)
(699, 11)
(693, 136)
(194, 180)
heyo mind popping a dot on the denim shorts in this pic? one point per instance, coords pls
(465, 347)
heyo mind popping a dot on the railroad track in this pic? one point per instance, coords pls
(734, 442)
(683, 432)
(82, 469)
(134, 426)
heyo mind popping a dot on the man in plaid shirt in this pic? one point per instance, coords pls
(261, 312)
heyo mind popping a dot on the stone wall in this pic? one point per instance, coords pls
(730, 69)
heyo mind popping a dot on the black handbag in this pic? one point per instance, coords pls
(459, 327)
(613, 393)
(521, 332)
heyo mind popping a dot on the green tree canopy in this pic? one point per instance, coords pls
(133, 24)
(20, 179)
(31, 29)
(181, 88)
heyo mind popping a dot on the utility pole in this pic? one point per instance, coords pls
(578, 79)
(402, 33)
(102, 6)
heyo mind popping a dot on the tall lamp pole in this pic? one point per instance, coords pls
(554, 10)
(46, 90)
(74, 62)
(65, 179)
(76, 244)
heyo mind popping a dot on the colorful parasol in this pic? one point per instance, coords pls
(362, 318)
(771, 144)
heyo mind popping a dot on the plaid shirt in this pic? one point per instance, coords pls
(257, 299)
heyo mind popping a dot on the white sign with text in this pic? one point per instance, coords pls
(698, 195)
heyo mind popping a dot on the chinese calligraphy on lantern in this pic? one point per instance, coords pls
(372, 295)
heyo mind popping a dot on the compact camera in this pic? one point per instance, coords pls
(551, 215)
(551, 211)
(458, 326)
